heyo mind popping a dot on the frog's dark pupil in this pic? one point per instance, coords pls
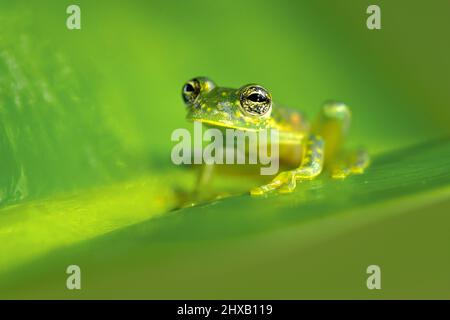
(188, 88)
(257, 97)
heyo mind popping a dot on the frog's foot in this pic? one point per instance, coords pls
(350, 163)
(286, 181)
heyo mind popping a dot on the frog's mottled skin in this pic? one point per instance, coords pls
(309, 148)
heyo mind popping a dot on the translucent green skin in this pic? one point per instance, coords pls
(221, 107)
(299, 146)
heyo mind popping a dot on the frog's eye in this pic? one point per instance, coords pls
(255, 100)
(191, 90)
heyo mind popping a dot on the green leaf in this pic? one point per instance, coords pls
(215, 250)
(85, 123)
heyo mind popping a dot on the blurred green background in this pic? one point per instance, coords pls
(85, 173)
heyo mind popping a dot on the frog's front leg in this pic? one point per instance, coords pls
(311, 166)
(203, 182)
(199, 193)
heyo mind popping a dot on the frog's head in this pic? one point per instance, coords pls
(246, 108)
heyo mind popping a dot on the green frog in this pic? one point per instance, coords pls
(304, 149)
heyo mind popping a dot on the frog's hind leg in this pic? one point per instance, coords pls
(333, 124)
(311, 166)
(323, 149)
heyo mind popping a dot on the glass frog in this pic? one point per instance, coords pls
(305, 149)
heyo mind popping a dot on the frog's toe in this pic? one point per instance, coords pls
(287, 188)
(262, 190)
(258, 191)
(289, 183)
(353, 163)
(340, 173)
(285, 182)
